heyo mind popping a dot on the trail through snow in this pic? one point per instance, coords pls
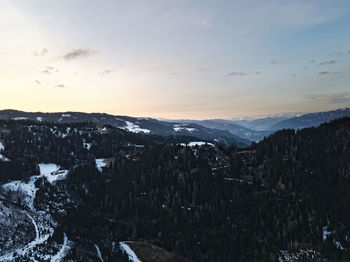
(64, 249)
(99, 253)
(131, 254)
(28, 190)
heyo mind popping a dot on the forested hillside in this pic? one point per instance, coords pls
(286, 198)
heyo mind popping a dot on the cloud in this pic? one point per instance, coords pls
(48, 70)
(274, 62)
(332, 98)
(43, 52)
(59, 86)
(45, 72)
(311, 62)
(327, 73)
(328, 62)
(202, 69)
(106, 72)
(243, 73)
(337, 53)
(37, 82)
(78, 53)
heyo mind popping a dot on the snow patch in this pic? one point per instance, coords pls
(131, 127)
(39, 119)
(198, 143)
(100, 162)
(87, 145)
(4, 159)
(52, 172)
(20, 118)
(131, 254)
(180, 127)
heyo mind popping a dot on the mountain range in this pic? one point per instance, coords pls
(225, 131)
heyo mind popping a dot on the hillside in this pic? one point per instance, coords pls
(86, 190)
(131, 124)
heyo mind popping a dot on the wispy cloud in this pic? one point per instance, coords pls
(337, 53)
(78, 53)
(59, 86)
(323, 73)
(37, 82)
(43, 52)
(48, 70)
(243, 73)
(328, 62)
(106, 72)
(332, 98)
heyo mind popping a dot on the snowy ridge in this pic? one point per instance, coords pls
(131, 254)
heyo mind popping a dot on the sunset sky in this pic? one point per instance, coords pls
(175, 59)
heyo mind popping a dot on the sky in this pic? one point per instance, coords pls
(183, 59)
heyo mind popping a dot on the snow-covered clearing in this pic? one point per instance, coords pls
(131, 254)
(134, 128)
(52, 172)
(28, 189)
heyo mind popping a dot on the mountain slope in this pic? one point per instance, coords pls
(311, 119)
